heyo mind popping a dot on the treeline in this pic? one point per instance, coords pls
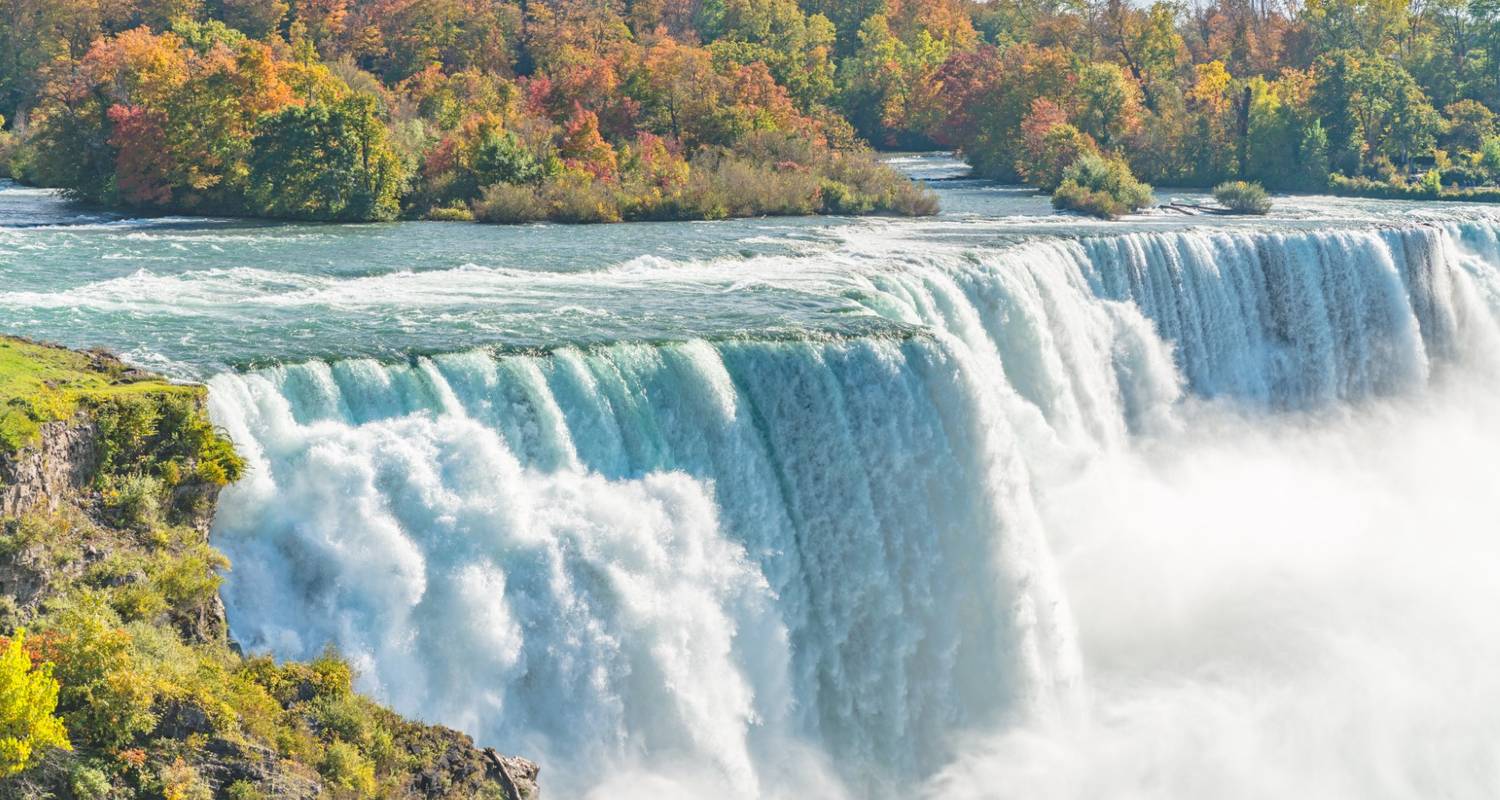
(335, 110)
(654, 109)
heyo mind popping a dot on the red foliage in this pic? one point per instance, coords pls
(584, 148)
(142, 166)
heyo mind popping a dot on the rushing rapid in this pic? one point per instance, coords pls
(965, 508)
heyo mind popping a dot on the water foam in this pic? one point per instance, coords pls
(782, 568)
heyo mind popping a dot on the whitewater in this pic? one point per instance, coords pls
(1000, 505)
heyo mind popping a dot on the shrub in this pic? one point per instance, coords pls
(454, 213)
(510, 204)
(576, 197)
(874, 187)
(1102, 187)
(1462, 175)
(1364, 187)
(28, 700)
(344, 767)
(88, 782)
(134, 500)
(1489, 157)
(105, 699)
(244, 790)
(180, 781)
(1243, 197)
(1432, 181)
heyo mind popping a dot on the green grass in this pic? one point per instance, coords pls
(42, 383)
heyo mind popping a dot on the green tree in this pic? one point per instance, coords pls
(325, 161)
(1371, 107)
(28, 700)
(502, 158)
(1101, 186)
(1469, 124)
(1104, 103)
(796, 47)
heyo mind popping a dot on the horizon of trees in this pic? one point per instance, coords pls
(608, 109)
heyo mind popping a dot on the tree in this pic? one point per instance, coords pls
(1049, 145)
(1105, 104)
(1372, 107)
(1469, 124)
(28, 702)
(325, 161)
(884, 78)
(1148, 44)
(584, 149)
(989, 94)
(797, 47)
(258, 19)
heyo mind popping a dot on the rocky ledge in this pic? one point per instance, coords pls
(108, 484)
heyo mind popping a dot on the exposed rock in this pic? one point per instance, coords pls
(41, 476)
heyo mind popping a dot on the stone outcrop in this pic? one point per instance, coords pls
(42, 475)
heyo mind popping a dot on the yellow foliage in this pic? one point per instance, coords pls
(28, 698)
(1210, 90)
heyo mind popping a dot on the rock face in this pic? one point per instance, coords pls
(40, 476)
(71, 527)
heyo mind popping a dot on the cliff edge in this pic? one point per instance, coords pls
(108, 483)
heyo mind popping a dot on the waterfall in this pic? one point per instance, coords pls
(765, 566)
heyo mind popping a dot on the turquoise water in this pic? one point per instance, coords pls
(194, 296)
(1003, 503)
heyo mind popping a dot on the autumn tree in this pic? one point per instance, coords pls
(28, 702)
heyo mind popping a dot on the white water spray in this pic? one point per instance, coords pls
(806, 567)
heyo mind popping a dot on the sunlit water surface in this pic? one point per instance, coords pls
(998, 504)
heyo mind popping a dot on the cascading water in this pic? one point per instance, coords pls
(997, 505)
(801, 566)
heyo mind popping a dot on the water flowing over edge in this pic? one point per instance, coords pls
(793, 566)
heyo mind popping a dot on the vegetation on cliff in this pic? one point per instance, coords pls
(41, 384)
(106, 567)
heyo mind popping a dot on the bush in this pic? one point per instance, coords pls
(135, 501)
(344, 767)
(453, 213)
(1432, 181)
(1462, 175)
(1102, 187)
(28, 698)
(105, 699)
(509, 204)
(180, 781)
(1243, 197)
(1365, 187)
(575, 198)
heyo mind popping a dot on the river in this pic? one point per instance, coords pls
(1001, 503)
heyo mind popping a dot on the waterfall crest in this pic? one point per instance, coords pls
(772, 560)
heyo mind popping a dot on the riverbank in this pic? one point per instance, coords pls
(109, 479)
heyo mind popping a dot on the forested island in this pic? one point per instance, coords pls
(603, 110)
